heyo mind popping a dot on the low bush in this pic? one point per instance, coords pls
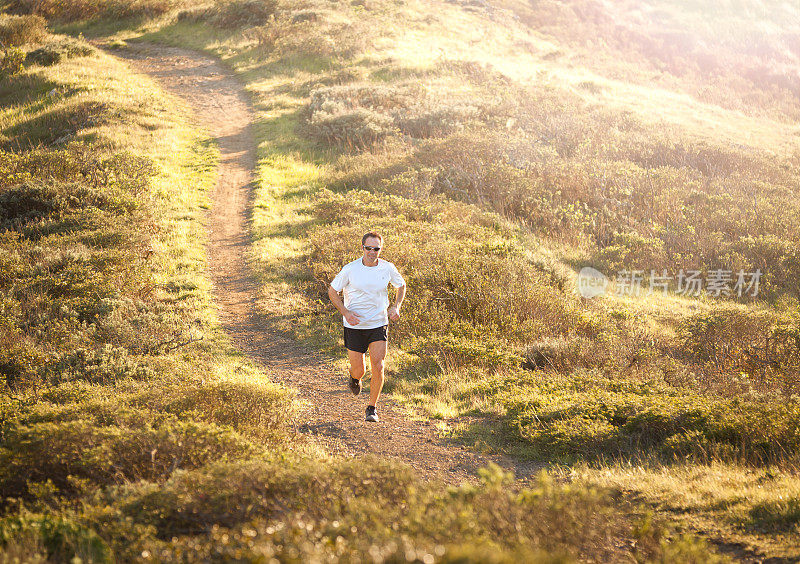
(629, 251)
(55, 52)
(121, 172)
(28, 88)
(355, 129)
(776, 516)
(106, 365)
(145, 327)
(233, 14)
(452, 351)
(751, 350)
(585, 176)
(253, 509)
(76, 453)
(302, 510)
(57, 125)
(76, 271)
(591, 417)
(11, 63)
(359, 116)
(35, 201)
(78, 10)
(16, 31)
(309, 38)
(258, 410)
(46, 538)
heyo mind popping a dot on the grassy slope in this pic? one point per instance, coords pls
(553, 62)
(119, 401)
(123, 451)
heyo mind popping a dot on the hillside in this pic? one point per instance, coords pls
(500, 147)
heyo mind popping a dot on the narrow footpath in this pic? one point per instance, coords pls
(334, 417)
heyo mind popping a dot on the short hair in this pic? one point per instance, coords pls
(373, 235)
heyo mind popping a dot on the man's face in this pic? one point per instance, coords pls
(372, 248)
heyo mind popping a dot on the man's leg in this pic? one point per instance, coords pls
(357, 368)
(377, 354)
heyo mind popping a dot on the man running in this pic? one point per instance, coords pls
(366, 313)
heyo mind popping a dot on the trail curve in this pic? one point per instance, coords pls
(334, 417)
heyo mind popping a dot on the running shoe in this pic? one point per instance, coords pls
(355, 386)
(372, 415)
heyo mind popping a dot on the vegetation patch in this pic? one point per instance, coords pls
(103, 323)
(38, 538)
(55, 52)
(79, 10)
(233, 14)
(80, 452)
(16, 31)
(253, 509)
(590, 417)
(361, 115)
(491, 199)
(776, 515)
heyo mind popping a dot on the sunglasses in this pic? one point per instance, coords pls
(372, 248)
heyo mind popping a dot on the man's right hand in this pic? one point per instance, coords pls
(352, 318)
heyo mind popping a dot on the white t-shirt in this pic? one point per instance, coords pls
(366, 291)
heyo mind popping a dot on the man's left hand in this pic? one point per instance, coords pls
(394, 313)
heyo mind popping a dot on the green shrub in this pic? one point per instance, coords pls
(645, 199)
(71, 452)
(358, 116)
(260, 410)
(144, 327)
(54, 53)
(776, 516)
(564, 355)
(27, 88)
(121, 172)
(587, 416)
(47, 538)
(12, 62)
(755, 349)
(356, 129)
(74, 256)
(16, 31)
(106, 365)
(450, 350)
(57, 125)
(20, 362)
(476, 286)
(311, 42)
(33, 201)
(629, 251)
(300, 509)
(777, 255)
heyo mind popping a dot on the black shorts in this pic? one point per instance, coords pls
(358, 340)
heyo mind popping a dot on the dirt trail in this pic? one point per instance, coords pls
(334, 418)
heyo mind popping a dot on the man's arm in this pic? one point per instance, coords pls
(394, 311)
(336, 299)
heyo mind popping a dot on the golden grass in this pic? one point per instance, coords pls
(152, 123)
(717, 499)
(521, 54)
(290, 171)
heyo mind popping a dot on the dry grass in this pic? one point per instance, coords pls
(77, 10)
(618, 154)
(755, 507)
(21, 30)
